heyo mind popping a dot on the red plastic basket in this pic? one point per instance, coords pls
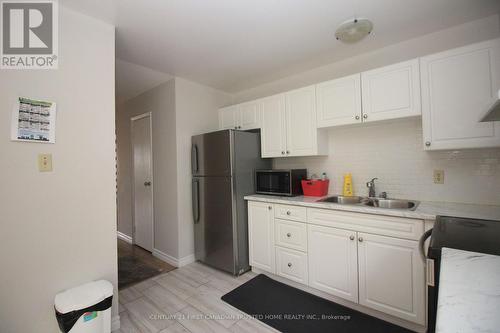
(315, 187)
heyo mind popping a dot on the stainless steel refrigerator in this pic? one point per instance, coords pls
(223, 165)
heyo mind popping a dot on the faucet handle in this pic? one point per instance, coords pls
(371, 183)
(383, 195)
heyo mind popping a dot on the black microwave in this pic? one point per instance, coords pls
(280, 182)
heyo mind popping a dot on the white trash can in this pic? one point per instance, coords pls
(86, 308)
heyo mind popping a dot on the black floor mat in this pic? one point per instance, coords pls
(292, 310)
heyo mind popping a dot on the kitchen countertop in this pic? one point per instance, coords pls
(426, 210)
(469, 292)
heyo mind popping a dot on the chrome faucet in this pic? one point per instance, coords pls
(371, 187)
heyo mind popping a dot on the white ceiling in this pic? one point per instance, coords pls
(234, 45)
(132, 80)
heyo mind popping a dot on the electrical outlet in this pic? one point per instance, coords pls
(438, 176)
(44, 162)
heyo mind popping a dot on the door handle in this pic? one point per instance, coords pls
(194, 158)
(196, 201)
(147, 183)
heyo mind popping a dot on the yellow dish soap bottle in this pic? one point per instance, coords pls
(348, 190)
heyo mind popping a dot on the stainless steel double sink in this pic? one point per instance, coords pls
(373, 202)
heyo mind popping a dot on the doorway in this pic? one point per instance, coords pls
(142, 181)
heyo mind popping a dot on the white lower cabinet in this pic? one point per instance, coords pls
(381, 271)
(391, 276)
(261, 236)
(333, 261)
(291, 264)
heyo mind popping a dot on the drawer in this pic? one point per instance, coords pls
(289, 212)
(399, 227)
(291, 264)
(291, 234)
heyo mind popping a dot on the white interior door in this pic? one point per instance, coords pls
(142, 181)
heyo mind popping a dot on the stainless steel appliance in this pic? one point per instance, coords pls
(223, 164)
(457, 233)
(280, 182)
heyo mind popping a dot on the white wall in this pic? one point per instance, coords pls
(392, 151)
(468, 33)
(196, 112)
(180, 109)
(160, 101)
(58, 229)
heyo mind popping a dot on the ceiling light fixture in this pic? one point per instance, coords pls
(354, 30)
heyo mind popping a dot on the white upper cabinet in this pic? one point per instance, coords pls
(391, 276)
(273, 131)
(244, 116)
(250, 115)
(229, 117)
(457, 87)
(289, 125)
(301, 129)
(339, 101)
(391, 92)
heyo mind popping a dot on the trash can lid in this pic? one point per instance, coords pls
(83, 296)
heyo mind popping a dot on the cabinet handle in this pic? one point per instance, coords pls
(356, 117)
(287, 152)
(365, 116)
(270, 207)
(283, 152)
(351, 237)
(360, 239)
(427, 144)
(288, 235)
(289, 264)
(288, 212)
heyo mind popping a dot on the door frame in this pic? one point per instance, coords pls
(132, 119)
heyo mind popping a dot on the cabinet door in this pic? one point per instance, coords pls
(391, 92)
(339, 101)
(301, 129)
(229, 117)
(457, 88)
(272, 134)
(261, 236)
(250, 115)
(333, 266)
(391, 276)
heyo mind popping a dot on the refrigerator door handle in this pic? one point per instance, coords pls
(194, 158)
(421, 244)
(196, 200)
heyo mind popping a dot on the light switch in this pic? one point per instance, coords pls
(438, 176)
(44, 162)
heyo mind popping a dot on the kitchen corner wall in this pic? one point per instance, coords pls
(58, 229)
(180, 109)
(393, 152)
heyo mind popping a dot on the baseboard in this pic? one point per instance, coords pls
(115, 323)
(186, 260)
(123, 237)
(172, 260)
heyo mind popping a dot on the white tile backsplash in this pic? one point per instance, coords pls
(393, 152)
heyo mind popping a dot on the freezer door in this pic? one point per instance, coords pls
(213, 222)
(211, 154)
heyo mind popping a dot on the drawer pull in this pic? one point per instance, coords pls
(270, 207)
(289, 264)
(360, 239)
(351, 237)
(288, 235)
(288, 212)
